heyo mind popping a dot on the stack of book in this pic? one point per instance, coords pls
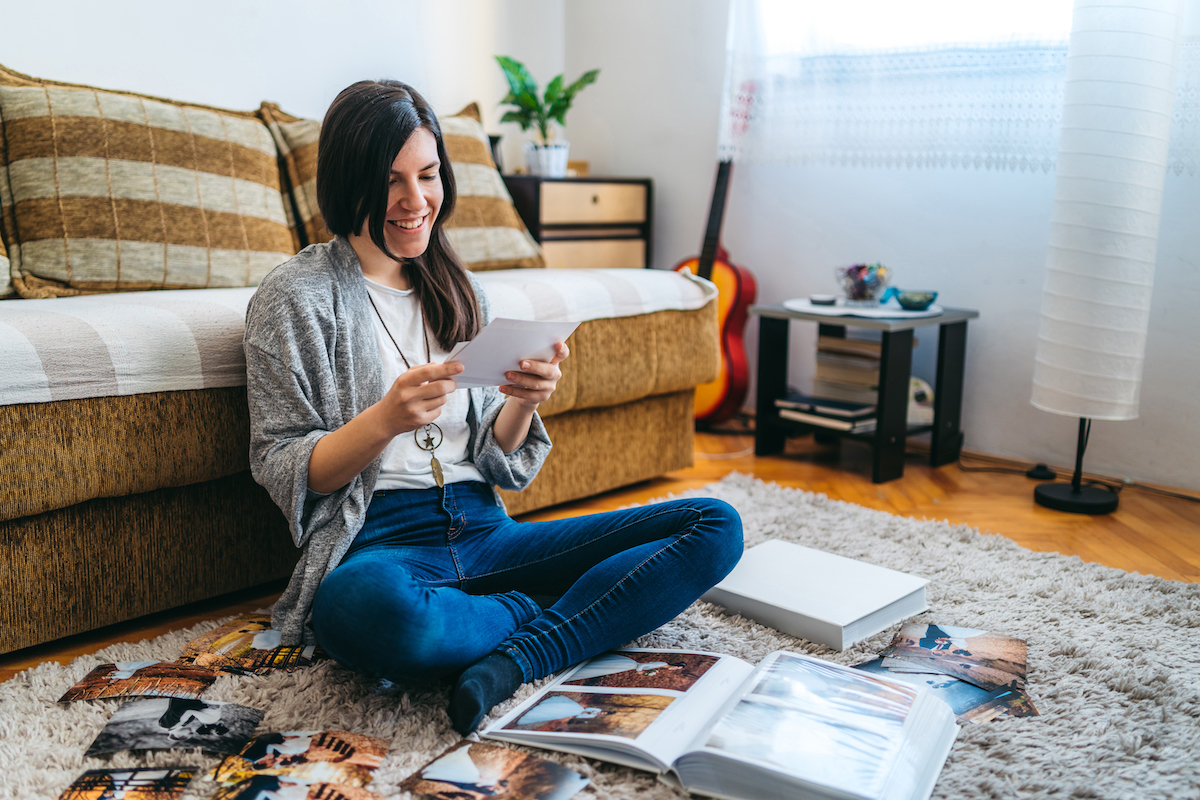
(848, 369)
(838, 415)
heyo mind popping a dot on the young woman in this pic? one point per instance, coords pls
(410, 569)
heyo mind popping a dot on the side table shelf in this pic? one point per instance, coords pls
(895, 369)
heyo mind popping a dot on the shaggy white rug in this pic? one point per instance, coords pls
(1114, 668)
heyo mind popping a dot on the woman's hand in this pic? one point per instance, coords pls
(533, 385)
(415, 399)
(537, 380)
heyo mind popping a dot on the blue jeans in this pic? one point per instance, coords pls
(439, 578)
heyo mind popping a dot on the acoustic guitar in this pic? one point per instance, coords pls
(722, 398)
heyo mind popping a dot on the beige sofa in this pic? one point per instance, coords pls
(120, 504)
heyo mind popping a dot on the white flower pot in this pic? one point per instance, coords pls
(549, 161)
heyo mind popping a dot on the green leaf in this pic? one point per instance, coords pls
(553, 91)
(519, 79)
(558, 111)
(586, 78)
(520, 117)
(523, 94)
(528, 101)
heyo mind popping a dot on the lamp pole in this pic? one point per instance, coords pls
(1075, 497)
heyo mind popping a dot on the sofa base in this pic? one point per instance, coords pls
(108, 560)
(598, 449)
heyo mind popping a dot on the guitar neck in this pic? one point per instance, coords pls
(712, 233)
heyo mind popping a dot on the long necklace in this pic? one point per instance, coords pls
(428, 445)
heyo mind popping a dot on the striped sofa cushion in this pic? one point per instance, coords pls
(296, 140)
(6, 287)
(485, 230)
(113, 191)
(7, 242)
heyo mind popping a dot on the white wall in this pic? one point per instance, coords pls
(298, 53)
(978, 237)
(653, 112)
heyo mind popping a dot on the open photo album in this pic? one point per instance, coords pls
(794, 726)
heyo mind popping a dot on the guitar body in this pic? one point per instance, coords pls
(720, 399)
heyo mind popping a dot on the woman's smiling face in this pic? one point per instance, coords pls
(415, 195)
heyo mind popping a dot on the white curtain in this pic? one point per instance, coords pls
(923, 84)
(1103, 93)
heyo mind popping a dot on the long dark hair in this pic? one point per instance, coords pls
(364, 129)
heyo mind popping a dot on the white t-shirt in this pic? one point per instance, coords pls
(404, 465)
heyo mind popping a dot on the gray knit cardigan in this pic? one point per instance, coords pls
(312, 365)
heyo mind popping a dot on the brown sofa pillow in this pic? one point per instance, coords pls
(485, 230)
(7, 243)
(6, 287)
(109, 191)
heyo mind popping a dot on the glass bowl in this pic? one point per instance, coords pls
(863, 283)
(915, 300)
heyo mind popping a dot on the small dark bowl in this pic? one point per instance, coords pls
(915, 300)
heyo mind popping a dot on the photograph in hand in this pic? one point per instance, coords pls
(501, 346)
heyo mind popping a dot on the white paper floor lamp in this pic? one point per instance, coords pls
(1117, 101)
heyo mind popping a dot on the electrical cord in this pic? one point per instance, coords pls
(1164, 492)
(1115, 488)
(747, 429)
(1003, 470)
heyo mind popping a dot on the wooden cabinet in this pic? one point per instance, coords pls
(586, 223)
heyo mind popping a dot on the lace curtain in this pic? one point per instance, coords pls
(930, 89)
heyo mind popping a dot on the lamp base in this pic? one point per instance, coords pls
(1088, 500)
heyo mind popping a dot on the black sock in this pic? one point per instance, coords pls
(484, 684)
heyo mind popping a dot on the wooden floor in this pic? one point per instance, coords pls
(1149, 533)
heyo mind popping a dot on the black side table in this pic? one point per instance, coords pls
(895, 368)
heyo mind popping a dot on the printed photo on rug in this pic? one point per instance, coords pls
(172, 723)
(129, 784)
(477, 770)
(141, 679)
(989, 660)
(968, 702)
(674, 670)
(894, 664)
(247, 645)
(625, 715)
(1004, 703)
(276, 787)
(327, 756)
(815, 684)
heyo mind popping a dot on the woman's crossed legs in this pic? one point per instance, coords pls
(439, 580)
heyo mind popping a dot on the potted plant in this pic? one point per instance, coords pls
(548, 155)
